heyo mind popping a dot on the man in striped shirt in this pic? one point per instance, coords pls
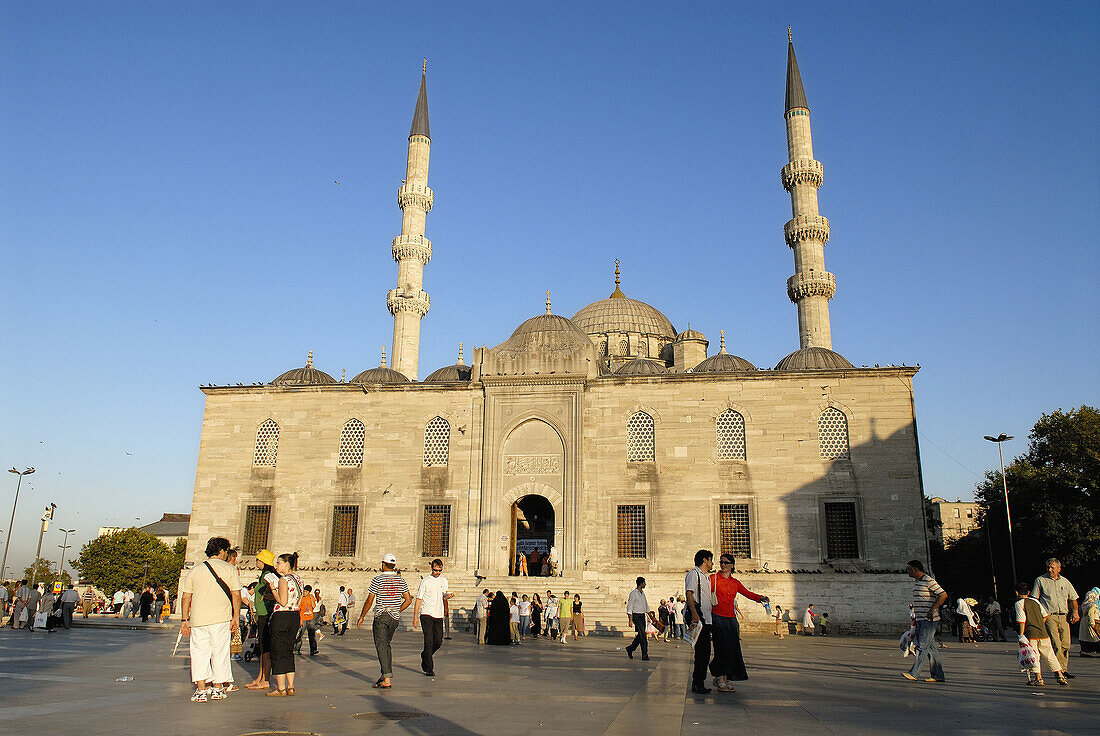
(928, 596)
(389, 593)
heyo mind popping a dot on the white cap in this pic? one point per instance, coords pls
(389, 559)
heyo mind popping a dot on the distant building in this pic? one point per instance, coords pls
(957, 519)
(167, 529)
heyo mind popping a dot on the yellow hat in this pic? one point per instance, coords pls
(266, 556)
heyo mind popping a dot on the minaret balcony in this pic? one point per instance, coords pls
(806, 227)
(802, 171)
(416, 301)
(412, 248)
(811, 283)
(417, 195)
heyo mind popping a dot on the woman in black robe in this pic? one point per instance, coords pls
(145, 603)
(499, 631)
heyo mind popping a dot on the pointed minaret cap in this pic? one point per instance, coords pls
(796, 96)
(383, 355)
(722, 344)
(309, 360)
(460, 362)
(548, 302)
(420, 114)
(618, 293)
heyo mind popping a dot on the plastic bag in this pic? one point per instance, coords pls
(1029, 658)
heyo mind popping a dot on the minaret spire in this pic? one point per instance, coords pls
(807, 232)
(408, 303)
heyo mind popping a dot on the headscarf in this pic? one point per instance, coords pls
(1091, 600)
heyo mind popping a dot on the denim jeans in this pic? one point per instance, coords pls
(524, 625)
(927, 649)
(383, 629)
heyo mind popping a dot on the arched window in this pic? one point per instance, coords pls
(351, 444)
(832, 432)
(437, 442)
(267, 444)
(643, 348)
(730, 435)
(624, 348)
(639, 438)
(603, 347)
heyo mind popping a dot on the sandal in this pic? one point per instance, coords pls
(290, 691)
(276, 693)
(380, 685)
(255, 686)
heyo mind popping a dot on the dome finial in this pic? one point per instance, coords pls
(548, 302)
(722, 342)
(618, 293)
(343, 374)
(309, 360)
(383, 355)
(460, 354)
(424, 71)
(790, 39)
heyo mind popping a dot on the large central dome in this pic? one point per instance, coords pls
(621, 314)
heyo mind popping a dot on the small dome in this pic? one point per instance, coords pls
(546, 333)
(813, 359)
(641, 367)
(723, 362)
(382, 374)
(306, 376)
(690, 334)
(451, 373)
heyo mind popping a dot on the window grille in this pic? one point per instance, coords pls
(345, 526)
(437, 442)
(267, 444)
(437, 531)
(733, 524)
(603, 347)
(257, 522)
(841, 534)
(730, 435)
(639, 438)
(351, 444)
(632, 531)
(624, 348)
(832, 430)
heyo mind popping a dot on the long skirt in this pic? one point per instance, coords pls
(284, 626)
(966, 632)
(728, 661)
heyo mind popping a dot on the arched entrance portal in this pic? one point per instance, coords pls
(532, 534)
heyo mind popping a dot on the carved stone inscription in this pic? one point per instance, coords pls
(532, 464)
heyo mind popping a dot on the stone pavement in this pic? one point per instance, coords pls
(797, 686)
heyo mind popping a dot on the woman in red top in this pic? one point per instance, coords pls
(728, 664)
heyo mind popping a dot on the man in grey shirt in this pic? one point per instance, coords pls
(1060, 599)
(69, 599)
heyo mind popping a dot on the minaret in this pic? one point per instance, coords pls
(408, 303)
(812, 286)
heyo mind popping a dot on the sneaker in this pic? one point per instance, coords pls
(200, 696)
(216, 694)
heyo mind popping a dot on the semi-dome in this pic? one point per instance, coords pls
(723, 362)
(641, 367)
(305, 376)
(382, 374)
(813, 359)
(619, 313)
(451, 373)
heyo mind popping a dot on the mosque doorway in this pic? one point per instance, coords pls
(532, 535)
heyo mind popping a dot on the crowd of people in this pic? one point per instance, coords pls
(512, 619)
(536, 563)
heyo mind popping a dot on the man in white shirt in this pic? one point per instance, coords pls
(127, 603)
(116, 602)
(5, 597)
(481, 612)
(637, 612)
(341, 612)
(210, 597)
(553, 561)
(697, 589)
(553, 609)
(429, 610)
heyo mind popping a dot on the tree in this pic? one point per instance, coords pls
(43, 573)
(128, 557)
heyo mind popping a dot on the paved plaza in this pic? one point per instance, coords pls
(797, 686)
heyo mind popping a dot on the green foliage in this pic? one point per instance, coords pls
(126, 558)
(42, 572)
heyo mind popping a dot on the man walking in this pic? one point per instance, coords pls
(429, 612)
(565, 612)
(1060, 600)
(481, 612)
(928, 596)
(341, 613)
(996, 623)
(69, 599)
(307, 622)
(637, 611)
(210, 597)
(392, 594)
(697, 589)
(87, 602)
(551, 615)
(22, 596)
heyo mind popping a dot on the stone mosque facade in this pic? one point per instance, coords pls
(607, 435)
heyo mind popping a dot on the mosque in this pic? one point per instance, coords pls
(608, 436)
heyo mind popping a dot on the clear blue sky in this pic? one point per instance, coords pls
(169, 217)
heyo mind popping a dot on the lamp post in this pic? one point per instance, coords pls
(28, 471)
(46, 517)
(64, 548)
(999, 440)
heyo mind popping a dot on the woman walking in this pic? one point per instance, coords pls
(1089, 632)
(728, 663)
(499, 631)
(524, 618)
(578, 617)
(967, 620)
(287, 588)
(536, 616)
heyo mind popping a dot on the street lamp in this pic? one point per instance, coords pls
(46, 517)
(64, 547)
(999, 440)
(28, 471)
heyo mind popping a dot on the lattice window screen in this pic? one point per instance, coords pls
(257, 522)
(351, 444)
(639, 438)
(841, 532)
(733, 525)
(437, 442)
(730, 435)
(603, 347)
(345, 527)
(267, 444)
(632, 531)
(437, 531)
(832, 430)
(624, 348)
